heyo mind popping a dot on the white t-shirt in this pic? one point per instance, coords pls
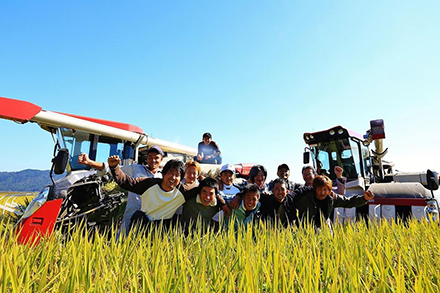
(229, 192)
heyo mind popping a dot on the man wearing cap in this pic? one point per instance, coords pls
(227, 189)
(148, 168)
(283, 172)
(208, 151)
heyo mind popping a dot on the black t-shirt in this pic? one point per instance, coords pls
(321, 210)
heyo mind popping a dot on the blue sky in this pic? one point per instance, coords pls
(256, 74)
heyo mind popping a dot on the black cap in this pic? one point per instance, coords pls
(283, 166)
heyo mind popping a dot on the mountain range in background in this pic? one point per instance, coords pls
(25, 180)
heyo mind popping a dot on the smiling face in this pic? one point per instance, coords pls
(308, 176)
(191, 175)
(279, 191)
(259, 179)
(251, 200)
(153, 161)
(227, 177)
(283, 173)
(207, 195)
(170, 179)
(322, 192)
(206, 140)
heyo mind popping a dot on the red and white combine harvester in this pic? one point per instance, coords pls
(397, 195)
(79, 194)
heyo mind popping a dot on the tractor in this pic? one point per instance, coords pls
(398, 196)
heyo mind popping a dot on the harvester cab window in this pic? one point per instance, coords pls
(324, 163)
(343, 152)
(98, 148)
(354, 167)
(76, 142)
(346, 155)
(327, 158)
(366, 160)
(101, 152)
(108, 147)
(348, 164)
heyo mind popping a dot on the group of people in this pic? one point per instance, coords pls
(179, 193)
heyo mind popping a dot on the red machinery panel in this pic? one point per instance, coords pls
(40, 224)
(420, 202)
(17, 110)
(243, 169)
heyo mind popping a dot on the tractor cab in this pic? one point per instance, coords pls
(97, 147)
(342, 147)
(400, 195)
(339, 146)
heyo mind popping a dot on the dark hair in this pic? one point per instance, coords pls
(207, 134)
(321, 181)
(254, 171)
(250, 188)
(174, 164)
(209, 182)
(283, 166)
(308, 167)
(280, 181)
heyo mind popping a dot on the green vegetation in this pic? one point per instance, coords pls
(381, 258)
(25, 180)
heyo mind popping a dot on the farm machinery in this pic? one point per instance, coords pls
(397, 195)
(84, 194)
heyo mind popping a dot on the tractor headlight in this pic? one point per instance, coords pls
(36, 203)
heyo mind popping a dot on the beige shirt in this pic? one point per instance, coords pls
(158, 204)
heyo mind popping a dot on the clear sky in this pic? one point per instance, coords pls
(256, 74)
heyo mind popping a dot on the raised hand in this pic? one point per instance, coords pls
(338, 171)
(368, 195)
(113, 161)
(83, 159)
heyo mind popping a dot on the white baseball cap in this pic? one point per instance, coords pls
(227, 167)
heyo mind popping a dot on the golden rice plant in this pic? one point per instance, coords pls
(384, 257)
(12, 205)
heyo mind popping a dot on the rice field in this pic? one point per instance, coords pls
(14, 201)
(13, 196)
(380, 258)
